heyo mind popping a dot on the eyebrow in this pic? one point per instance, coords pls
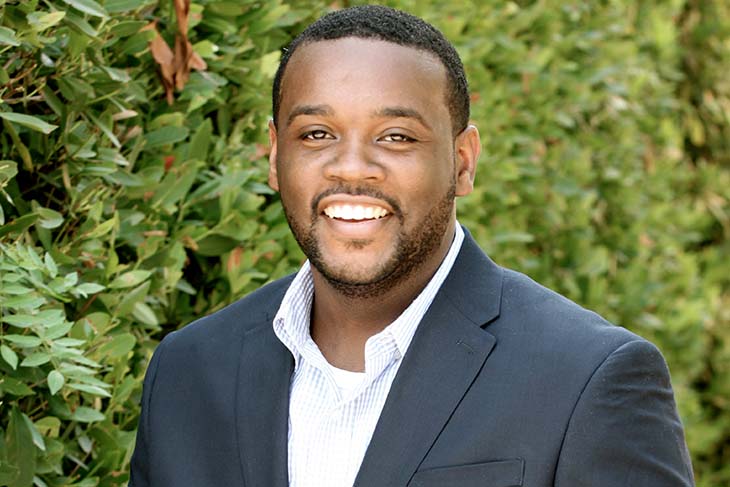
(402, 112)
(387, 112)
(308, 110)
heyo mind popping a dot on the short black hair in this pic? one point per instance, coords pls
(386, 24)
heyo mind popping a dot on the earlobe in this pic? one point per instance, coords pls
(273, 177)
(468, 146)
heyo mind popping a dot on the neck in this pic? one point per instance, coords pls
(341, 324)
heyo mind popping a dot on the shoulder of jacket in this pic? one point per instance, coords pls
(249, 312)
(540, 309)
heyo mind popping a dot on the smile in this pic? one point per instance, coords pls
(355, 212)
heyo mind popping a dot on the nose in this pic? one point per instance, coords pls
(353, 162)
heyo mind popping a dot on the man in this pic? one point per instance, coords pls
(399, 354)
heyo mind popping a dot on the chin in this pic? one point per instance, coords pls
(356, 267)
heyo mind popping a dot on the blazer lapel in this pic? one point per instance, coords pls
(262, 408)
(445, 356)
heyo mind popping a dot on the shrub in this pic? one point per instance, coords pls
(124, 217)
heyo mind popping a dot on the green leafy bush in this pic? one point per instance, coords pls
(123, 217)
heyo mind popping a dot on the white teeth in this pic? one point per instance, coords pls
(355, 212)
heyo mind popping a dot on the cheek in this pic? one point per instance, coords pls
(292, 195)
(434, 178)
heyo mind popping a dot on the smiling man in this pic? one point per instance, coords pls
(399, 354)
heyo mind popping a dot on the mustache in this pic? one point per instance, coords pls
(357, 191)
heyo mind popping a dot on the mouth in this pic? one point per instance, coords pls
(355, 212)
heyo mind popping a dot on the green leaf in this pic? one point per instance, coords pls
(16, 289)
(49, 426)
(215, 245)
(23, 302)
(85, 414)
(50, 264)
(117, 6)
(57, 330)
(29, 121)
(145, 314)
(7, 36)
(47, 317)
(103, 228)
(130, 298)
(42, 21)
(269, 63)
(185, 287)
(237, 227)
(130, 279)
(55, 381)
(200, 141)
(23, 341)
(175, 185)
(8, 170)
(103, 126)
(36, 359)
(125, 28)
(94, 323)
(8, 473)
(20, 451)
(34, 434)
(205, 49)
(88, 6)
(81, 25)
(19, 225)
(165, 136)
(68, 342)
(9, 356)
(119, 346)
(53, 101)
(95, 390)
(87, 288)
(14, 387)
(49, 218)
(116, 74)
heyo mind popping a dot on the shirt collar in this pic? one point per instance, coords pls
(291, 323)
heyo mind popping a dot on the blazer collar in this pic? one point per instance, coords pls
(474, 285)
(262, 407)
(447, 353)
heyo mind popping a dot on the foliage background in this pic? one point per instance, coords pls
(605, 175)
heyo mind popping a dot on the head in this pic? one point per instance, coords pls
(370, 144)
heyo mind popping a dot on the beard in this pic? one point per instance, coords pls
(410, 250)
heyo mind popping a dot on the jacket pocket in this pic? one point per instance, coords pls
(502, 473)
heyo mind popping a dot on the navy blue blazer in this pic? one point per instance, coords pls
(505, 383)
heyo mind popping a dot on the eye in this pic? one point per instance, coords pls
(397, 138)
(316, 135)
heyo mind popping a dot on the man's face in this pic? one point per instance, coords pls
(366, 162)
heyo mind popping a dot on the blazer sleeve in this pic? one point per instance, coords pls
(625, 430)
(139, 474)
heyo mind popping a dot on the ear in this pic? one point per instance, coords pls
(273, 177)
(467, 148)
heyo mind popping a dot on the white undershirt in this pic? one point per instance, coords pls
(346, 381)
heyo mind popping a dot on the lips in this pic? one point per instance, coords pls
(355, 212)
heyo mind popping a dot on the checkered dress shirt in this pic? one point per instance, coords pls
(333, 413)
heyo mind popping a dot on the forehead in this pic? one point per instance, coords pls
(360, 73)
